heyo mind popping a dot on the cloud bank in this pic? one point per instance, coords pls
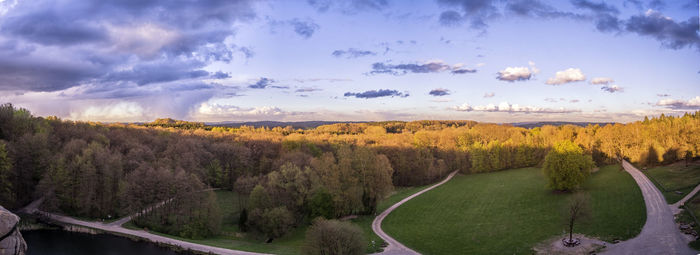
(377, 93)
(510, 108)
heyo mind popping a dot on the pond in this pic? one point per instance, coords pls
(59, 242)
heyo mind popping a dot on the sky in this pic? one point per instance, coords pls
(354, 60)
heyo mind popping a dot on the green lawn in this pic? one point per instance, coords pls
(675, 177)
(508, 212)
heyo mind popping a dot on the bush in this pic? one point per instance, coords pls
(566, 167)
(274, 222)
(334, 237)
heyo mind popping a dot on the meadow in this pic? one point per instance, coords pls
(509, 212)
(676, 180)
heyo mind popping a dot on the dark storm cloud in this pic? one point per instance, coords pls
(476, 12)
(428, 67)
(48, 28)
(220, 75)
(348, 6)
(604, 15)
(158, 72)
(601, 7)
(261, 83)
(21, 74)
(463, 71)
(439, 92)
(537, 9)
(304, 28)
(450, 18)
(353, 53)
(671, 34)
(377, 93)
(49, 46)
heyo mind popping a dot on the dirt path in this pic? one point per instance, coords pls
(394, 246)
(660, 234)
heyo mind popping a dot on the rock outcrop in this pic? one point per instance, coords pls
(11, 241)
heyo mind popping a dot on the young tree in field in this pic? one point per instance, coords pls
(577, 210)
(566, 167)
(334, 237)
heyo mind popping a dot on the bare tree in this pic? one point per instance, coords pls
(577, 210)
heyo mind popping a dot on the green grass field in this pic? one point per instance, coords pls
(510, 211)
(675, 177)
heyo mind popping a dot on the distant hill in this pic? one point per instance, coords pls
(272, 124)
(556, 123)
(314, 124)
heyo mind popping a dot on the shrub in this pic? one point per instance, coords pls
(334, 237)
(274, 222)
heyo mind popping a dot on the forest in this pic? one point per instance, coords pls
(290, 176)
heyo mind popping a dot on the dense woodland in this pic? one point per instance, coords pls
(290, 175)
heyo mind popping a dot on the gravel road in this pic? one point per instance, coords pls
(660, 234)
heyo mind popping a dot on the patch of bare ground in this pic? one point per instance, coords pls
(555, 246)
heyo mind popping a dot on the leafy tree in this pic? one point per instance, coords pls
(334, 237)
(566, 167)
(321, 205)
(259, 198)
(6, 194)
(273, 222)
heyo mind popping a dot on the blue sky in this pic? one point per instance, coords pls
(484, 60)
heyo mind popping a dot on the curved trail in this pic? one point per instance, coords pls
(394, 246)
(660, 234)
(116, 227)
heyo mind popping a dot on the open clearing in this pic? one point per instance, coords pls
(675, 177)
(510, 211)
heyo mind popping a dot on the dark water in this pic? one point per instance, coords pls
(58, 242)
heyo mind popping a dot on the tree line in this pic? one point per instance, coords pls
(290, 176)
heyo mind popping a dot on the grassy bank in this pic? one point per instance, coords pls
(510, 211)
(675, 180)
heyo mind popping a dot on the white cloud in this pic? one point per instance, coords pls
(510, 108)
(518, 73)
(120, 111)
(514, 74)
(602, 81)
(567, 76)
(612, 88)
(487, 95)
(692, 104)
(224, 112)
